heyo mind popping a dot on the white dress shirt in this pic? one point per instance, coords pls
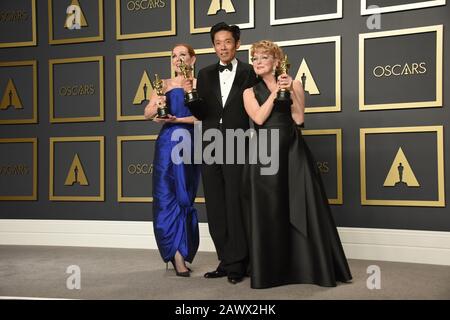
(226, 79)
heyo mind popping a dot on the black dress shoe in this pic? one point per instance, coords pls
(215, 274)
(233, 279)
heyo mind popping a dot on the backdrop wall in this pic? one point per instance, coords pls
(74, 145)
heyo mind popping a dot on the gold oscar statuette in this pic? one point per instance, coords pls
(186, 70)
(157, 84)
(283, 94)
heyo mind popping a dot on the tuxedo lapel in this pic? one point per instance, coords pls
(237, 83)
(215, 84)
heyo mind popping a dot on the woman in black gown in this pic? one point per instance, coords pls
(292, 234)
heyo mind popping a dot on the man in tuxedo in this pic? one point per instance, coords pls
(220, 105)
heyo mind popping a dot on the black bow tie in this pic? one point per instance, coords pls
(228, 66)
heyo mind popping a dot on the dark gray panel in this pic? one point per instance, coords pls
(15, 21)
(405, 49)
(321, 59)
(202, 19)
(381, 150)
(323, 148)
(137, 164)
(76, 89)
(303, 8)
(131, 75)
(386, 3)
(89, 155)
(90, 10)
(139, 16)
(22, 77)
(201, 212)
(200, 191)
(16, 169)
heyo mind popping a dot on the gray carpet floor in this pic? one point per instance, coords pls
(40, 272)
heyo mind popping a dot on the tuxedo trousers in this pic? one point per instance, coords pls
(222, 184)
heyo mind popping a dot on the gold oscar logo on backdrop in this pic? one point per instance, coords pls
(10, 97)
(76, 173)
(136, 5)
(14, 170)
(77, 90)
(304, 75)
(217, 5)
(323, 166)
(140, 168)
(75, 18)
(406, 69)
(401, 172)
(13, 16)
(144, 91)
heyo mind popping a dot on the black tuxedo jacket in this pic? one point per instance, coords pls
(209, 107)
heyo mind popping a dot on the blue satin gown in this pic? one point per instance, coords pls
(175, 220)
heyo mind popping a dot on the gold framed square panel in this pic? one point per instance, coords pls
(33, 41)
(101, 195)
(119, 59)
(438, 29)
(98, 37)
(338, 134)
(218, 5)
(318, 17)
(337, 87)
(120, 140)
(33, 196)
(120, 197)
(34, 118)
(400, 7)
(51, 64)
(124, 36)
(439, 130)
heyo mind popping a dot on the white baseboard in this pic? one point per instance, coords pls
(430, 247)
(87, 233)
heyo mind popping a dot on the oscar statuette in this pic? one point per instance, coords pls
(186, 70)
(284, 95)
(163, 110)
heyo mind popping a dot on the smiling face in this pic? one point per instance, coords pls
(181, 53)
(225, 46)
(265, 56)
(263, 62)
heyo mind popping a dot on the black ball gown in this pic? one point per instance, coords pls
(292, 234)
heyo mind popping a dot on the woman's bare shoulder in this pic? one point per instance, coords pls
(248, 90)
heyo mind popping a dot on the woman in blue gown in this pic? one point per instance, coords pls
(175, 184)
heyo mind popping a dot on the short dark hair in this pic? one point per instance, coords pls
(222, 26)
